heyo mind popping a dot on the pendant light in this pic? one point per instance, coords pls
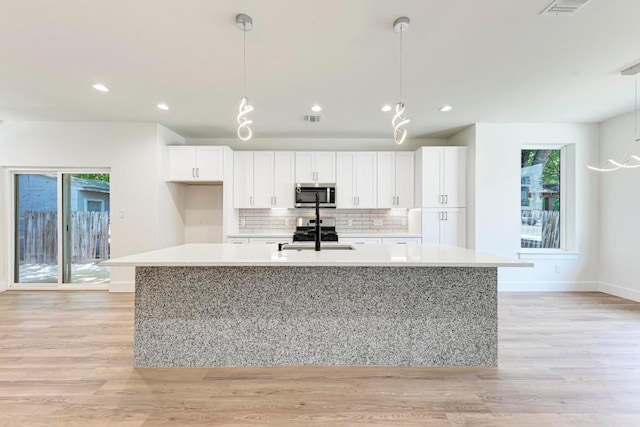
(244, 23)
(627, 161)
(400, 25)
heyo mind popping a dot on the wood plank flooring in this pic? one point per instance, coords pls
(566, 359)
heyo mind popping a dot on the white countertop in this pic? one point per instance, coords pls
(221, 254)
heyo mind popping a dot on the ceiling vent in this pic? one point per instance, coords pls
(311, 119)
(564, 7)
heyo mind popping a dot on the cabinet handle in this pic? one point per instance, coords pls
(397, 200)
(441, 216)
(446, 216)
(446, 199)
(401, 243)
(193, 172)
(358, 198)
(394, 201)
(250, 200)
(275, 200)
(354, 200)
(197, 172)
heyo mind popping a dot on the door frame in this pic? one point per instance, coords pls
(11, 214)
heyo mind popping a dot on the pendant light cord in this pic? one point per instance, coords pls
(401, 31)
(244, 58)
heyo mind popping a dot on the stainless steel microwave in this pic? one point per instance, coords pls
(305, 195)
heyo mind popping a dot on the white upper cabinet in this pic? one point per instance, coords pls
(263, 179)
(283, 179)
(395, 179)
(317, 166)
(441, 178)
(194, 164)
(243, 179)
(356, 180)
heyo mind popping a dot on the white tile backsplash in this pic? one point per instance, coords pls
(362, 220)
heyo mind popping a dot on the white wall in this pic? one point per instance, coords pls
(619, 212)
(203, 214)
(132, 151)
(497, 203)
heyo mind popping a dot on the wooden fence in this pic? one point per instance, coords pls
(550, 221)
(89, 237)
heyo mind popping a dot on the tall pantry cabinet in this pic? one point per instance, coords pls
(440, 190)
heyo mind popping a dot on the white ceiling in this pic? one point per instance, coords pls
(493, 60)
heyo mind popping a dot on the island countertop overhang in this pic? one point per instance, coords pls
(229, 255)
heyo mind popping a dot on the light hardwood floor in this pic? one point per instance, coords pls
(566, 359)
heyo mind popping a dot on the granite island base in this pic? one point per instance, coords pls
(205, 305)
(289, 315)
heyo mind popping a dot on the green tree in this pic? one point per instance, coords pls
(104, 177)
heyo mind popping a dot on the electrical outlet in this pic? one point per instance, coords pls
(286, 222)
(404, 221)
(242, 222)
(557, 268)
(349, 223)
(378, 222)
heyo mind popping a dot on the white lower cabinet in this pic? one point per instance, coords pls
(401, 241)
(238, 240)
(361, 240)
(269, 240)
(444, 227)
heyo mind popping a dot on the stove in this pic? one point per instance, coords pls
(306, 230)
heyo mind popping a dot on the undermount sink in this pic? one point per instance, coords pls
(311, 247)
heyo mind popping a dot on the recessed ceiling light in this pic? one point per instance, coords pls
(100, 87)
(164, 107)
(445, 108)
(386, 108)
(316, 108)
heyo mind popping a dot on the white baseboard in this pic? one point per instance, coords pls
(3, 286)
(619, 291)
(548, 286)
(122, 287)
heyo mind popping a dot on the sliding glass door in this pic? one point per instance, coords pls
(36, 228)
(62, 228)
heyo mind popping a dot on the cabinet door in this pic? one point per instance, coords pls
(243, 179)
(366, 180)
(345, 181)
(305, 171)
(181, 163)
(431, 220)
(431, 177)
(404, 180)
(263, 179)
(283, 182)
(453, 228)
(387, 179)
(209, 163)
(325, 167)
(454, 177)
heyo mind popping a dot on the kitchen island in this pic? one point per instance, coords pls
(252, 305)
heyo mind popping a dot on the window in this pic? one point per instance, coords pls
(540, 198)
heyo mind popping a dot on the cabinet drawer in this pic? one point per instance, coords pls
(361, 240)
(401, 241)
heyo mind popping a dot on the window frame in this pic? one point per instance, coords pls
(567, 204)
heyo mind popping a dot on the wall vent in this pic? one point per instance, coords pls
(564, 7)
(311, 119)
